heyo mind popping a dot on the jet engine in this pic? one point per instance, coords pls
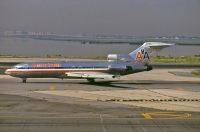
(118, 57)
(113, 57)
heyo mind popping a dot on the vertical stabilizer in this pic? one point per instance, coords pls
(142, 54)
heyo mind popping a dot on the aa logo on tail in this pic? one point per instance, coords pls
(138, 56)
(141, 55)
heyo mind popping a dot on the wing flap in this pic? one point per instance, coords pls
(89, 75)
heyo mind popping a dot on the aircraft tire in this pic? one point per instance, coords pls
(91, 80)
(24, 80)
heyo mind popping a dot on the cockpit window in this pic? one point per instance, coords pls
(20, 66)
(16, 67)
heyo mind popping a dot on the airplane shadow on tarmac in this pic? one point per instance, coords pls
(121, 84)
(110, 84)
(104, 84)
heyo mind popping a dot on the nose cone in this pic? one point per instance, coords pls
(7, 72)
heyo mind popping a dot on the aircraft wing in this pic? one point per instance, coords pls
(86, 75)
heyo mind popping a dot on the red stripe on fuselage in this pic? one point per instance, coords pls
(14, 71)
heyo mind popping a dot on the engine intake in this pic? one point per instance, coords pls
(118, 57)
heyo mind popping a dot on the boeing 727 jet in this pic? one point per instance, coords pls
(116, 65)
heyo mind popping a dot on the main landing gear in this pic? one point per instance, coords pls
(91, 80)
(24, 80)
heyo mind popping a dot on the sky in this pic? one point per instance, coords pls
(126, 17)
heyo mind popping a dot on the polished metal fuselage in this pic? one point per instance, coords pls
(58, 69)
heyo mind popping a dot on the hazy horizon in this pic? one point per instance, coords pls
(128, 17)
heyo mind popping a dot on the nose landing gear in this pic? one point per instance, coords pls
(24, 80)
(91, 80)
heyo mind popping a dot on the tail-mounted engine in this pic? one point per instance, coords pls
(119, 57)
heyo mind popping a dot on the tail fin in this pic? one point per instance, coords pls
(142, 54)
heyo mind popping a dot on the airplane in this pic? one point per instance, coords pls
(115, 66)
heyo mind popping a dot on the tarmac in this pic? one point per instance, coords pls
(144, 102)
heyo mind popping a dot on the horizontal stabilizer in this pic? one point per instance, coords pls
(156, 45)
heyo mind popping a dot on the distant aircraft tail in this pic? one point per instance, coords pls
(142, 54)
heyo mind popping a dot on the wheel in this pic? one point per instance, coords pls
(24, 80)
(91, 80)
